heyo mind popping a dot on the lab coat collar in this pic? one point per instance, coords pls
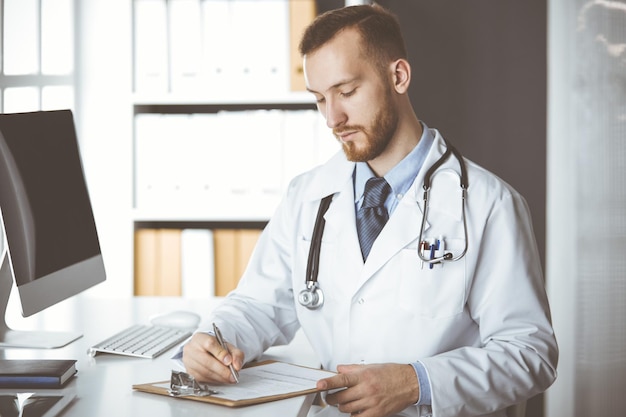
(404, 224)
(403, 227)
(333, 175)
(331, 178)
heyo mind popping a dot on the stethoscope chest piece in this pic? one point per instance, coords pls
(311, 297)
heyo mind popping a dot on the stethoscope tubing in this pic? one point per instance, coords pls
(312, 269)
(450, 150)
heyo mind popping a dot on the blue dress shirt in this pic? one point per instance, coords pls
(400, 178)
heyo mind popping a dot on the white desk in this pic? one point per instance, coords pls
(103, 384)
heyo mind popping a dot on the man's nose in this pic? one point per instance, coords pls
(335, 114)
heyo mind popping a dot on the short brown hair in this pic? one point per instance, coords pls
(379, 29)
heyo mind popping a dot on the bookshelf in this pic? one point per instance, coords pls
(221, 123)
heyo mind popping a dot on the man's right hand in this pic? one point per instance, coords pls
(207, 361)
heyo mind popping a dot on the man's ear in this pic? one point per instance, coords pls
(401, 70)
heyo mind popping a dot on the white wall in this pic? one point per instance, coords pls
(586, 199)
(105, 130)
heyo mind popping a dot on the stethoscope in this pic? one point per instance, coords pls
(312, 297)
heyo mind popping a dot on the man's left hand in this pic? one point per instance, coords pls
(372, 390)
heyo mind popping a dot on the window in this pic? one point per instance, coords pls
(37, 55)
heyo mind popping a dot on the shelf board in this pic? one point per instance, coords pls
(200, 224)
(172, 102)
(190, 218)
(217, 216)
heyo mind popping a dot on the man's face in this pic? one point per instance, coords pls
(352, 96)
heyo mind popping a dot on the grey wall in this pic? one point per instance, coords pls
(479, 76)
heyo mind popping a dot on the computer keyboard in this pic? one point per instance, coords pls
(140, 340)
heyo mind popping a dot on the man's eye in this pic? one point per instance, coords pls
(349, 93)
(319, 100)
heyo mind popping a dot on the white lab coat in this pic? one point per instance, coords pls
(481, 325)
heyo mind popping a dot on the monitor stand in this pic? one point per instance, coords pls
(25, 338)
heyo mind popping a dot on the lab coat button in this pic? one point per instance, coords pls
(361, 301)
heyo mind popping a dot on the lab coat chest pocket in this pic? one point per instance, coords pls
(435, 292)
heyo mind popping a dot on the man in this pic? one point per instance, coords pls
(463, 337)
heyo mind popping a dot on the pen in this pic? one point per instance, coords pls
(220, 339)
(432, 255)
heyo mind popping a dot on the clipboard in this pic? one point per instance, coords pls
(262, 388)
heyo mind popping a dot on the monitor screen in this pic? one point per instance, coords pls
(53, 245)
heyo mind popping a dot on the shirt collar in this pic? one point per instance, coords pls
(400, 177)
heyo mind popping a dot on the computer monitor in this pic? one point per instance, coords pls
(53, 251)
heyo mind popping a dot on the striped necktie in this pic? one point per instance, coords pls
(372, 215)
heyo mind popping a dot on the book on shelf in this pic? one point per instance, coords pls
(36, 373)
(150, 38)
(225, 159)
(233, 249)
(197, 263)
(185, 42)
(181, 46)
(301, 14)
(157, 262)
(191, 262)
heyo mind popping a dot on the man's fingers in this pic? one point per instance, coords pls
(337, 381)
(207, 361)
(371, 390)
(346, 369)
